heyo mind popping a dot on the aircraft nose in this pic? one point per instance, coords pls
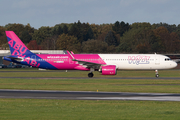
(174, 64)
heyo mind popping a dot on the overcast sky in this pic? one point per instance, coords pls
(51, 12)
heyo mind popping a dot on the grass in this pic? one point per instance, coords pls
(111, 85)
(53, 73)
(86, 84)
(18, 109)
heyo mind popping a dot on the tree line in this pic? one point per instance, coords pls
(119, 37)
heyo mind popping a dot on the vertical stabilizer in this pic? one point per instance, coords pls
(16, 46)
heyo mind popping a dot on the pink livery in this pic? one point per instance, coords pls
(107, 64)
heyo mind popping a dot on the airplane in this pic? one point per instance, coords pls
(107, 64)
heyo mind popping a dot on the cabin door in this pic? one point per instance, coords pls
(157, 59)
(33, 57)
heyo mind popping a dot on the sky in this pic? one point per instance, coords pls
(40, 13)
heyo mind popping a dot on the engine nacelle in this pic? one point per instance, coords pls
(109, 70)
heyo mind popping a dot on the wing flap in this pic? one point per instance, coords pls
(88, 64)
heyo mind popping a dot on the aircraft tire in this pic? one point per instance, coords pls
(157, 75)
(90, 75)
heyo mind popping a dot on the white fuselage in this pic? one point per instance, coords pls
(138, 61)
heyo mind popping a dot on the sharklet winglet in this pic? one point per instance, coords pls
(71, 55)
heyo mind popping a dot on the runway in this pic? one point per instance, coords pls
(80, 95)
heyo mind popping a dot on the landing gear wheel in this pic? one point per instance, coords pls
(90, 75)
(157, 75)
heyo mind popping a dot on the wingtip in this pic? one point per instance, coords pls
(70, 54)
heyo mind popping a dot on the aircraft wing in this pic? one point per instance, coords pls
(88, 64)
(85, 63)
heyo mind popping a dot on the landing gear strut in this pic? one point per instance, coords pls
(156, 72)
(90, 75)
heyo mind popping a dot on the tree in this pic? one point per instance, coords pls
(164, 38)
(75, 30)
(170, 28)
(143, 25)
(67, 42)
(82, 31)
(25, 37)
(17, 28)
(88, 34)
(111, 39)
(24, 32)
(120, 27)
(32, 45)
(178, 30)
(138, 39)
(41, 34)
(57, 30)
(116, 27)
(94, 46)
(29, 29)
(102, 36)
(175, 43)
(3, 39)
(65, 29)
(49, 43)
(111, 49)
(142, 48)
(144, 38)
(94, 30)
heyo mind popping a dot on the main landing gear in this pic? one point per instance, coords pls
(156, 72)
(90, 75)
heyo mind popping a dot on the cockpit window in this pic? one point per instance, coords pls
(167, 59)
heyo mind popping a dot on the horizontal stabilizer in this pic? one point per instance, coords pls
(16, 58)
(176, 60)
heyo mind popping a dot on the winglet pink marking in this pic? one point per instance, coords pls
(72, 57)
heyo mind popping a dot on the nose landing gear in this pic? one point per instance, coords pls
(156, 72)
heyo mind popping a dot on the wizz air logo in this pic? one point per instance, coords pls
(140, 59)
(20, 51)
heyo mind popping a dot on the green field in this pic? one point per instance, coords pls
(87, 84)
(55, 73)
(89, 109)
(35, 109)
(110, 85)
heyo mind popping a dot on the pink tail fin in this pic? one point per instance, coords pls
(16, 46)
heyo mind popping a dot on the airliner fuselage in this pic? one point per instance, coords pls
(105, 63)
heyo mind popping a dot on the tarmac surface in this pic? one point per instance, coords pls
(81, 95)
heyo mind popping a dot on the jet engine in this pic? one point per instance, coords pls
(109, 70)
